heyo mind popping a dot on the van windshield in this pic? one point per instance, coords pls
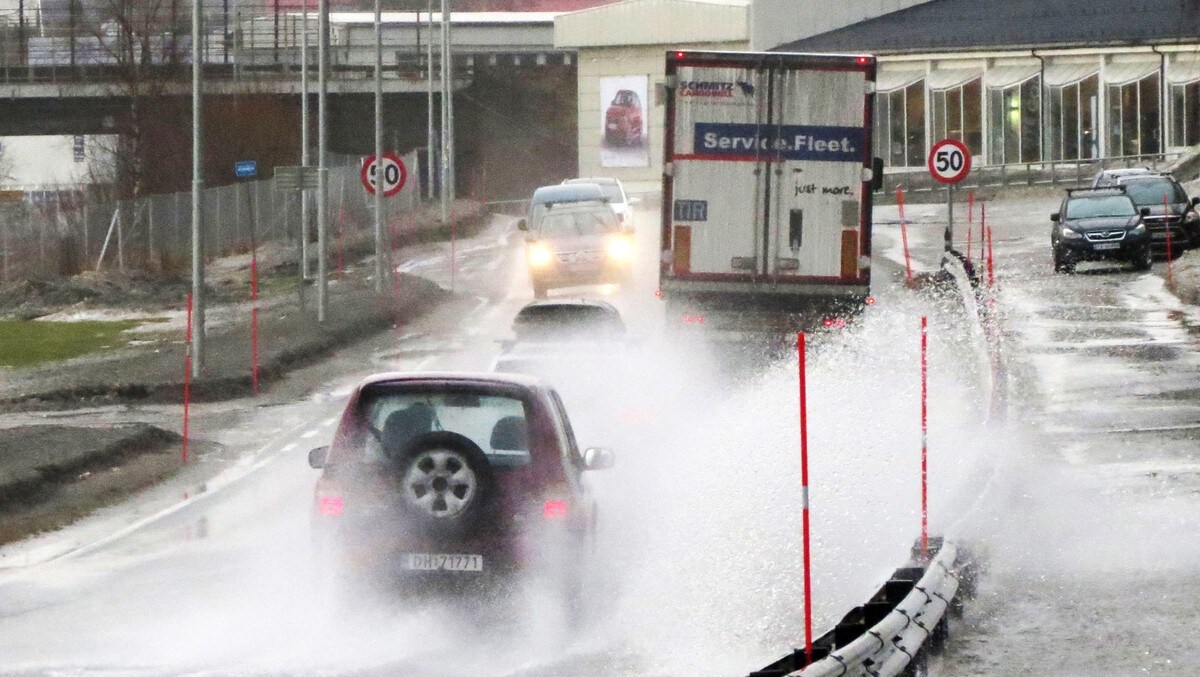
(567, 224)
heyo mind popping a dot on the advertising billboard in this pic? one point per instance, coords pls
(624, 122)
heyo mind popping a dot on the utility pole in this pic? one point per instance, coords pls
(197, 328)
(305, 144)
(430, 138)
(322, 152)
(447, 191)
(379, 173)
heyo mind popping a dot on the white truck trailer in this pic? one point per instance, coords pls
(768, 172)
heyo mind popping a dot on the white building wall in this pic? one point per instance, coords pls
(775, 22)
(647, 60)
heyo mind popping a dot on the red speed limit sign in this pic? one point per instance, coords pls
(394, 174)
(949, 161)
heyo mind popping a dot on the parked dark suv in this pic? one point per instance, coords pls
(1099, 224)
(1176, 212)
(454, 482)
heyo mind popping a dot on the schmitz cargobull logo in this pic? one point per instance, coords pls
(710, 89)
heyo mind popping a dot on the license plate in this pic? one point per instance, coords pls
(1107, 245)
(1160, 236)
(438, 562)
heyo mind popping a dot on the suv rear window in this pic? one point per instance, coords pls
(566, 318)
(1151, 191)
(497, 424)
(1099, 206)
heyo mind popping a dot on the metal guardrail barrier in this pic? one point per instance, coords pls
(908, 610)
(1040, 173)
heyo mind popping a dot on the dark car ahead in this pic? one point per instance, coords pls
(455, 482)
(1170, 210)
(1095, 225)
(1107, 178)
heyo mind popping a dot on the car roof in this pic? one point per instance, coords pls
(478, 379)
(571, 302)
(572, 192)
(1125, 171)
(598, 180)
(1135, 178)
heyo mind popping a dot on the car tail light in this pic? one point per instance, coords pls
(555, 509)
(331, 506)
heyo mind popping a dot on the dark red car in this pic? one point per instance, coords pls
(462, 480)
(623, 120)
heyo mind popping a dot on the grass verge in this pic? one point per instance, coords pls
(26, 342)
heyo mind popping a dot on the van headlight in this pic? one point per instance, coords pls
(539, 255)
(619, 248)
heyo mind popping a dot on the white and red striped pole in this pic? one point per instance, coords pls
(904, 234)
(808, 639)
(924, 436)
(187, 377)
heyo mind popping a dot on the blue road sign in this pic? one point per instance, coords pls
(246, 168)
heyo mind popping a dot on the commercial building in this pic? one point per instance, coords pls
(1032, 81)
(621, 51)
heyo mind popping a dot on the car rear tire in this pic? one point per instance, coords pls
(446, 484)
(1143, 260)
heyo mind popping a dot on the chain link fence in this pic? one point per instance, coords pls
(57, 232)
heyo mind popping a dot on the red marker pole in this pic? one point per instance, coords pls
(187, 377)
(970, 221)
(254, 318)
(985, 229)
(1167, 223)
(453, 244)
(924, 437)
(904, 234)
(808, 639)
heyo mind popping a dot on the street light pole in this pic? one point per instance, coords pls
(322, 152)
(379, 173)
(430, 138)
(305, 144)
(447, 149)
(197, 328)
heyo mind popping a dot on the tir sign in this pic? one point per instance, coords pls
(949, 161)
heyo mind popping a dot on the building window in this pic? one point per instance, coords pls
(1070, 120)
(1014, 124)
(900, 126)
(1133, 117)
(1185, 114)
(957, 115)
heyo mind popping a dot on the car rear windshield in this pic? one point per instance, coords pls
(611, 191)
(567, 318)
(1099, 206)
(1147, 192)
(577, 222)
(497, 424)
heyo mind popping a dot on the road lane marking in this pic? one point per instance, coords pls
(309, 434)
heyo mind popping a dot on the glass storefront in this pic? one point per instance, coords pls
(957, 114)
(1014, 125)
(900, 125)
(1071, 120)
(1133, 117)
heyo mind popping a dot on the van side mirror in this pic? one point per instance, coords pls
(637, 201)
(1054, 217)
(317, 457)
(522, 224)
(597, 458)
(1145, 211)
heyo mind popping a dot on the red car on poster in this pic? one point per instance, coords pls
(623, 120)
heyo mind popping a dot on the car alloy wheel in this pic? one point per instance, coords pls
(440, 482)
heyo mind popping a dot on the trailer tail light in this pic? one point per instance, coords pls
(870, 300)
(863, 59)
(555, 509)
(330, 506)
(834, 322)
(658, 293)
(680, 55)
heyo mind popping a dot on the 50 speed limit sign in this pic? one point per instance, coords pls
(394, 174)
(949, 161)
